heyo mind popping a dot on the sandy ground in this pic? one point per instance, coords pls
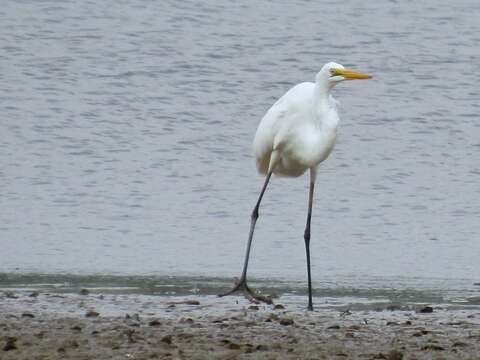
(93, 326)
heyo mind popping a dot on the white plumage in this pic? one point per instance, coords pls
(299, 130)
(296, 134)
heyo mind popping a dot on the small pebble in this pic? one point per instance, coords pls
(92, 313)
(278, 307)
(155, 323)
(84, 292)
(286, 322)
(167, 339)
(433, 347)
(253, 307)
(34, 294)
(233, 346)
(426, 310)
(421, 333)
(184, 302)
(191, 302)
(333, 327)
(28, 315)
(10, 344)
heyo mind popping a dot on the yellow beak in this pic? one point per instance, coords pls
(351, 75)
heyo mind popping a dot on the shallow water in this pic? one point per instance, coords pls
(407, 295)
(126, 134)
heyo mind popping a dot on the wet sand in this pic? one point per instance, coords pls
(93, 326)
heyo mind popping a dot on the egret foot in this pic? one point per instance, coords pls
(249, 293)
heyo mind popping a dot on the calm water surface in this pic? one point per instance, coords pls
(126, 132)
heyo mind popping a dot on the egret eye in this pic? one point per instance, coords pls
(333, 72)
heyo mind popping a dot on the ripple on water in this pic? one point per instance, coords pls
(140, 139)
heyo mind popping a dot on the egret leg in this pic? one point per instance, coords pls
(241, 285)
(306, 236)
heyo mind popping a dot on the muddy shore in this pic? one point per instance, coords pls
(93, 326)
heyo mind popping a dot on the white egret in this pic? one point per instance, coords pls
(296, 134)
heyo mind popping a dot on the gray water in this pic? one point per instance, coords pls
(126, 129)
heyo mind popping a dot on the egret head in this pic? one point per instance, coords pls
(333, 73)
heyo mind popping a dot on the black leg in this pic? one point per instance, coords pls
(242, 283)
(306, 236)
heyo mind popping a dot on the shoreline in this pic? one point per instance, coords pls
(93, 326)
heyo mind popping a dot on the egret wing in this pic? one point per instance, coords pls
(275, 125)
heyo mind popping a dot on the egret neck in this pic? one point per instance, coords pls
(323, 103)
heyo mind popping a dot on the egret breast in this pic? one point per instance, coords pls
(305, 149)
